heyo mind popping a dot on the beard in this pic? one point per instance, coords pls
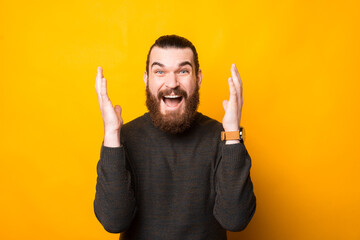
(173, 122)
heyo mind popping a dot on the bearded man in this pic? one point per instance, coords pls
(173, 173)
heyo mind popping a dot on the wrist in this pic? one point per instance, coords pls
(112, 139)
(231, 129)
(229, 142)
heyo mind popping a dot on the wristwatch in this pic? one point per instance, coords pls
(234, 135)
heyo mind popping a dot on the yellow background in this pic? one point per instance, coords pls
(299, 62)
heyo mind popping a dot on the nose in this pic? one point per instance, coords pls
(171, 81)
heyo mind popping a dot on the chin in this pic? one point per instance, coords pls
(172, 111)
(171, 117)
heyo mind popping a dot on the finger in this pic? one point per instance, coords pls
(225, 103)
(99, 76)
(236, 73)
(118, 110)
(103, 90)
(241, 84)
(237, 81)
(239, 87)
(233, 93)
(100, 72)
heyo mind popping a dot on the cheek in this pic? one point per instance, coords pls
(189, 87)
(152, 88)
(155, 85)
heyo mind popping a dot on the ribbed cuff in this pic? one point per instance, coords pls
(112, 155)
(234, 152)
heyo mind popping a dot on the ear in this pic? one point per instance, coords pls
(145, 78)
(199, 77)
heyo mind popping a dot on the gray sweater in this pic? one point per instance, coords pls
(189, 186)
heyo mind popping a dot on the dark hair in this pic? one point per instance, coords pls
(174, 41)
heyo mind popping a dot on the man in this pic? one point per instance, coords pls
(168, 174)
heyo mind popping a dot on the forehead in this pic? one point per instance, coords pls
(171, 56)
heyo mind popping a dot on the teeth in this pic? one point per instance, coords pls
(176, 96)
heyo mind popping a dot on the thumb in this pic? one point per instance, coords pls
(225, 103)
(117, 109)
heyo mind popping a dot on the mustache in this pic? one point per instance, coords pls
(177, 91)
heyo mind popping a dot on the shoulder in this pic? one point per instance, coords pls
(204, 121)
(207, 126)
(139, 121)
(136, 125)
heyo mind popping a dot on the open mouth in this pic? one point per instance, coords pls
(172, 100)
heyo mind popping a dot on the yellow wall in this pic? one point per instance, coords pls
(299, 61)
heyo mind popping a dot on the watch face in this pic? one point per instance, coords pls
(242, 133)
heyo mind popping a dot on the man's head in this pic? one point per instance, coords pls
(172, 81)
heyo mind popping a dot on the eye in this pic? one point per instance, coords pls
(159, 72)
(184, 71)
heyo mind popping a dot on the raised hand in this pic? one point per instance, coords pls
(111, 115)
(233, 106)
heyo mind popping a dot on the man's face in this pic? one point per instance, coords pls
(172, 84)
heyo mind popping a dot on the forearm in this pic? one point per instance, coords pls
(235, 200)
(114, 203)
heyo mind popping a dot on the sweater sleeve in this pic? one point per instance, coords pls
(114, 204)
(235, 201)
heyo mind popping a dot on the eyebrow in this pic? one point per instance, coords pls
(157, 63)
(180, 65)
(185, 63)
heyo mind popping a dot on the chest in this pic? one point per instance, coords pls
(182, 166)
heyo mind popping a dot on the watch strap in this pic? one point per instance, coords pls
(233, 135)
